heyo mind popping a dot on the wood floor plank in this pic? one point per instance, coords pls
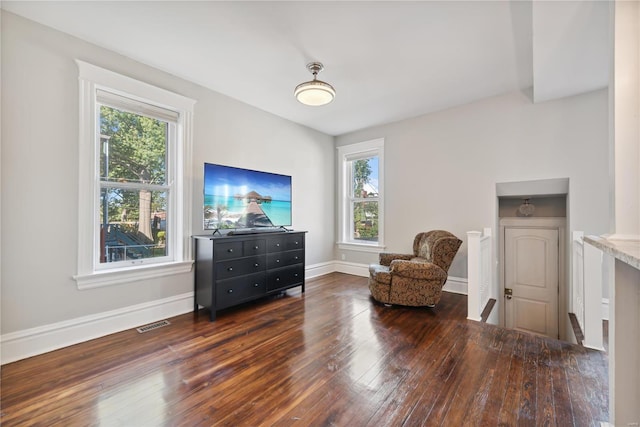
(330, 356)
(527, 414)
(479, 375)
(580, 399)
(544, 390)
(421, 386)
(435, 402)
(510, 408)
(563, 408)
(499, 376)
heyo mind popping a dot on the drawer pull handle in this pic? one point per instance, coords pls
(230, 291)
(230, 269)
(256, 248)
(256, 265)
(255, 285)
(277, 260)
(277, 279)
(277, 245)
(295, 275)
(296, 258)
(297, 243)
(230, 250)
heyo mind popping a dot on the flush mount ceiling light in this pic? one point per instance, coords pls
(314, 92)
(526, 209)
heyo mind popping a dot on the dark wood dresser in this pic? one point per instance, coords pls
(232, 270)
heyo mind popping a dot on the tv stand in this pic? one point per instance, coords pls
(234, 269)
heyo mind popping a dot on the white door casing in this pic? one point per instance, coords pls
(531, 271)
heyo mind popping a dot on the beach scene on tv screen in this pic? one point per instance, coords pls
(242, 198)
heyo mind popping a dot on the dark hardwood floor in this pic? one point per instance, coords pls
(328, 357)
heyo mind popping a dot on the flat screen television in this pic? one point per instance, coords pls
(237, 198)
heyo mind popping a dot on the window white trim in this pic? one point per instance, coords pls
(119, 276)
(168, 186)
(91, 79)
(346, 154)
(361, 247)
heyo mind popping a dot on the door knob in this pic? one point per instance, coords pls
(508, 293)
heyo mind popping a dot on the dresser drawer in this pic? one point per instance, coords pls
(285, 242)
(227, 250)
(285, 277)
(254, 247)
(283, 259)
(295, 241)
(240, 267)
(275, 243)
(235, 291)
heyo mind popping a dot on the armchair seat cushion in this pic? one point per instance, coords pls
(414, 279)
(381, 273)
(417, 269)
(381, 286)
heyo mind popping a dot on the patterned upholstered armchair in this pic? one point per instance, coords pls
(415, 279)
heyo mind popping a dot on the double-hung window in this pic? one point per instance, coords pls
(134, 216)
(361, 203)
(136, 185)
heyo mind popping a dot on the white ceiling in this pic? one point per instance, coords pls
(387, 60)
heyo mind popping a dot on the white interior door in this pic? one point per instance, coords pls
(531, 273)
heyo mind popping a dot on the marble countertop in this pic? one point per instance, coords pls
(627, 250)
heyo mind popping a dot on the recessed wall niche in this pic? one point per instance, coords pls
(544, 206)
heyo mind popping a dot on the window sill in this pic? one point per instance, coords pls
(361, 247)
(121, 276)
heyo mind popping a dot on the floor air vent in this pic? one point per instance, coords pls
(152, 326)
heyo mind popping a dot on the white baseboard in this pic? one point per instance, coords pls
(605, 309)
(456, 285)
(42, 339)
(320, 269)
(356, 269)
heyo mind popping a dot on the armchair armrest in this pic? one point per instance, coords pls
(417, 270)
(387, 257)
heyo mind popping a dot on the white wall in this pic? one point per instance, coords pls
(626, 110)
(441, 169)
(40, 162)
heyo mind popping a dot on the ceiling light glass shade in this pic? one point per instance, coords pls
(314, 93)
(526, 209)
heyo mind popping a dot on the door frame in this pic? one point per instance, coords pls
(556, 223)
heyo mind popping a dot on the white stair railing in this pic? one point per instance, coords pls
(593, 280)
(479, 282)
(586, 290)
